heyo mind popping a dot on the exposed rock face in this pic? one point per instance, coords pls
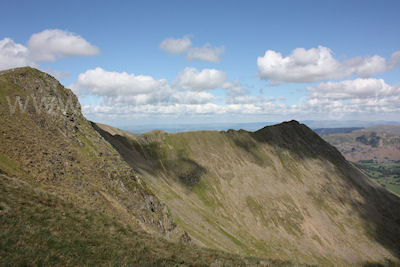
(280, 192)
(46, 141)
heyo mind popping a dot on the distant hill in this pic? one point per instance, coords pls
(186, 127)
(378, 143)
(314, 124)
(391, 129)
(323, 131)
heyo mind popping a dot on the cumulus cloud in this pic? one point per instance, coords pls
(358, 88)
(206, 79)
(110, 83)
(336, 109)
(235, 88)
(394, 60)
(318, 64)
(122, 88)
(49, 45)
(188, 97)
(206, 53)
(123, 94)
(13, 55)
(176, 46)
(179, 46)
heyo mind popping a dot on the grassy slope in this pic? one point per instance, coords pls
(39, 228)
(57, 149)
(281, 192)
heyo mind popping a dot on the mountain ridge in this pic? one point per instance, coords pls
(203, 173)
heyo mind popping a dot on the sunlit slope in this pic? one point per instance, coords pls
(47, 142)
(39, 228)
(280, 192)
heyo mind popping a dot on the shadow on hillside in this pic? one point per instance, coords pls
(380, 209)
(149, 158)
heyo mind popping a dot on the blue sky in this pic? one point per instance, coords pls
(344, 66)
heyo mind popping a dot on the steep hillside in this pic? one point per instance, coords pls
(47, 141)
(40, 229)
(280, 192)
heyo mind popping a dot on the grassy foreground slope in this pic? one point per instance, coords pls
(281, 192)
(39, 228)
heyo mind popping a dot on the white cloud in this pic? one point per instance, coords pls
(13, 55)
(176, 46)
(394, 60)
(109, 83)
(47, 45)
(358, 88)
(175, 109)
(123, 94)
(59, 74)
(252, 106)
(365, 67)
(50, 45)
(207, 79)
(318, 64)
(382, 104)
(235, 88)
(121, 88)
(179, 46)
(206, 53)
(188, 97)
(337, 109)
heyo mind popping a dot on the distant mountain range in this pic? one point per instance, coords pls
(250, 126)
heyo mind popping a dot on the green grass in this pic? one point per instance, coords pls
(9, 166)
(385, 173)
(38, 228)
